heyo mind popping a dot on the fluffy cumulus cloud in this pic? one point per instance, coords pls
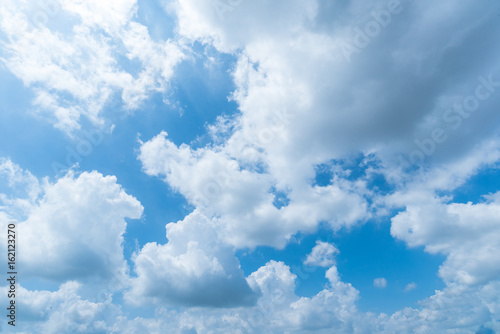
(62, 311)
(69, 53)
(455, 309)
(74, 229)
(303, 102)
(242, 196)
(193, 269)
(295, 61)
(277, 310)
(468, 234)
(322, 255)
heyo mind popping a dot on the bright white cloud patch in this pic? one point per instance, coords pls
(75, 229)
(193, 269)
(457, 308)
(62, 311)
(322, 255)
(23, 189)
(70, 53)
(223, 186)
(303, 103)
(468, 234)
(336, 105)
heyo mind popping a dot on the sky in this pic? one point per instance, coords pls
(236, 166)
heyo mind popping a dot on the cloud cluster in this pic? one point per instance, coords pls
(193, 269)
(68, 53)
(74, 230)
(390, 95)
(303, 104)
(242, 197)
(468, 234)
(407, 102)
(62, 311)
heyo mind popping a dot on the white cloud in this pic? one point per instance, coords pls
(302, 104)
(410, 286)
(23, 189)
(76, 73)
(295, 63)
(195, 268)
(227, 188)
(227, 27)
(468, 234)
(75, 229)
(322, 255)
(337, 303)
(456, 308)
(380, 283)
(277, 310)
(61, 311)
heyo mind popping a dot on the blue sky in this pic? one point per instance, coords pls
(191, 166)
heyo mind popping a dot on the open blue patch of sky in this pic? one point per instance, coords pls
(485, 182)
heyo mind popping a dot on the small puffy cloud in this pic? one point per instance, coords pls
(75, 230)
(274, 279)
(410, 286)
(380, 283)
(322, 255)
(193, 269)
